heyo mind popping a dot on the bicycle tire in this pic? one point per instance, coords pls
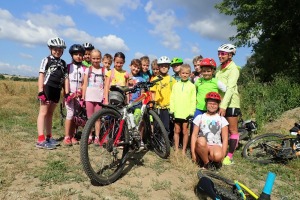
(156, 135)
(256, 151)
(104, 163)
(243, 133)
(223, 187)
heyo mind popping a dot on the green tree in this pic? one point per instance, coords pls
(272, 28)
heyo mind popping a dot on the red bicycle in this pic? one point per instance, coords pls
(120, 136)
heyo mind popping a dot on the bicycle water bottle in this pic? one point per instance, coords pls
(131, 121)
(266, 193)
(137, 115)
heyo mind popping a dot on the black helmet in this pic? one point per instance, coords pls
(76, 48)
(88, 46)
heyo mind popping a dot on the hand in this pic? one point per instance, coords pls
(68, 97)
(41, 96)
(222, 112)
(172, 117)
(190, 118)
(194, 158)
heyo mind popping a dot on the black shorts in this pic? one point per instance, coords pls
(180, 120)
(232, 112)
(52, 94)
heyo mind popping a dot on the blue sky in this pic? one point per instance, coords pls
(173, 28)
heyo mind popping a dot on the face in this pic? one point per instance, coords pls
(95, 59)
(207, 72)
(77, 57)
(155, 70)
(135, 69)
(87, 56)
(118, 63)
(145, 65)
(163, 68)
(106, 63)
(224, 56)
(212, 106)
(176, 68)
(56, 52)
(184, 74)
(197, 66)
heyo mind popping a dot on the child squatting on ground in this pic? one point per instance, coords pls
(53, 76)
(210, 134)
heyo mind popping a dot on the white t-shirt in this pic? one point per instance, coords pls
(211, 127)
(95, 88)
(76, 75)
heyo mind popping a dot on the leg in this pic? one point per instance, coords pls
(215, 153)
(202, 149)
(176, 135)
(185, 132)
(41, 119)
(234, 136)
(49, 118)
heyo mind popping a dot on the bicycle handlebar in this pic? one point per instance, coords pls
(142, 85)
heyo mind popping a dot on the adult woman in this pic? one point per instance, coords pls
(230, 106)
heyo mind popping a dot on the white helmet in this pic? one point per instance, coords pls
(164, 60)
(56, 42)
(88, 46)
(229, 48)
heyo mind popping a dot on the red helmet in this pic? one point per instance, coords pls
(213, 95)
(208, 62)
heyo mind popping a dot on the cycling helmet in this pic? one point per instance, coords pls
(56, 42)
(213, 95)
(229, 48)
(163, 60)
(177, 61)
(76, 48)
(208, 62)
(88, 46)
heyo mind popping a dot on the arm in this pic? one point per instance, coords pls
(231, 86)
(221, 86)
(172, 100)
(193, 142)
(193, 100)
(84, 86)
(67, 85)
(106, 89)
(224, 135)
(41, 82)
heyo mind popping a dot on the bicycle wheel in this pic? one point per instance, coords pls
(105, 161)
(223, 187)
(156, 135)
(263, 148)
(243, 133)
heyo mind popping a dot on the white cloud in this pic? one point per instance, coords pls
(164, 24)
(23, 70)
(25, 55)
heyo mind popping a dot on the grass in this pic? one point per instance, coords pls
(30, 173)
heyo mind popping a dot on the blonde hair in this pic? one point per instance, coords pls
(154, 63)
(185, 66)
(96, 51)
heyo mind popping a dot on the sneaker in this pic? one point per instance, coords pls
(74, 141)
(53, 141)
(142, 145)
(227, 161)
(67, 141)
(96, 142)
(45, 145)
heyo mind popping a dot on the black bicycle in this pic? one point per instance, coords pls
(273, 147)
(246, 128)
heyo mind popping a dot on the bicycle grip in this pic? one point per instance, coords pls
(266, 193)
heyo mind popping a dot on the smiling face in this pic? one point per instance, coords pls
(224, 56)
(145, 65)
(197, 66)
(95, 58)
(176, 68)
(164, 68)
(212, 106)
(87, 56)
(135, 69)
(185, 73)
(56, 52)
(77, 57)
(118, 63)
(207, 72)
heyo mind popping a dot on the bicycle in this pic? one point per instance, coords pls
(273, 147)
(119, 136)
(219, 187)
(246, 128)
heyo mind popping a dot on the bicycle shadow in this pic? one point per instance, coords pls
(135, 159)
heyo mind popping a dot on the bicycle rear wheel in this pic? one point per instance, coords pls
(156, 135)
(263, 148)
(223, 187)
(104, 162)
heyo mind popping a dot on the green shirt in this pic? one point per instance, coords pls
(183, 99)
(229, 76)
(85, 63)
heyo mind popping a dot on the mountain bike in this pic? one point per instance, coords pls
(246, 128)
(273, 147)
(119, 136)
(219, 187)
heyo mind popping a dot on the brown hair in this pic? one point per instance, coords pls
(200, 57)
(154, 63)
(145, 58)
(136, 62)
(108, 56)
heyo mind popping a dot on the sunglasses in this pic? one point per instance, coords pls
(165, 66)
(222, 53)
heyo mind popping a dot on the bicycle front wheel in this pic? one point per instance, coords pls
(104, 160)
(156, 134)
(263, 148)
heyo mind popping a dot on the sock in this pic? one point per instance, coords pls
(49, 135)
(41, 138)
(233, 142)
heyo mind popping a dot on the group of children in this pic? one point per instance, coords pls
(210, 101)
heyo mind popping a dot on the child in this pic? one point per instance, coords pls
(154, 68)
(182, 106)
(134, 78)
(87, 55)
(107, 61)
(230, 106)
(197, 73)
(175, 64)
(76, 74)
(53, 75)
(93, 90)
(145, 72)
(210, 134)
(207, 84)
(116, 76)
(161, 92)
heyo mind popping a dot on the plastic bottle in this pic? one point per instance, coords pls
(137, 115)
(131, 120)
